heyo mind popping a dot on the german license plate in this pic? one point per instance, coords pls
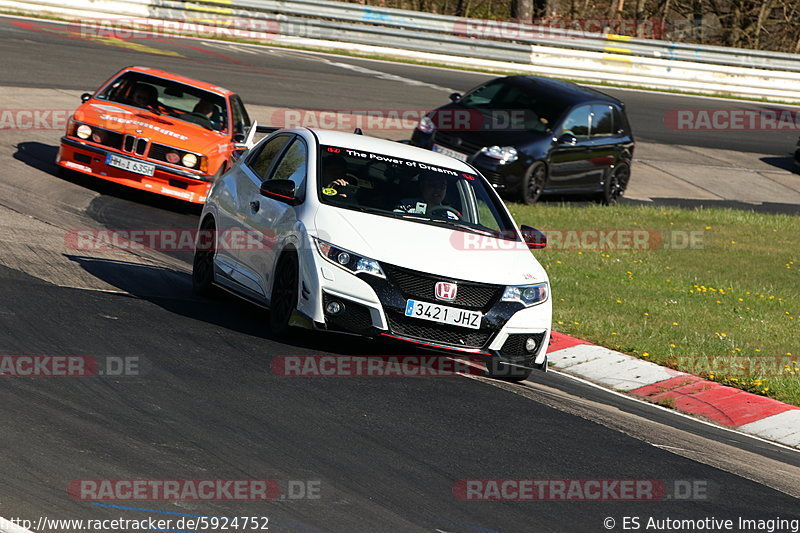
(448, 151)
(443, 314)
(146, 169)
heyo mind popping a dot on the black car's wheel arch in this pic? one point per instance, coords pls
(530, 169)
(625, 157)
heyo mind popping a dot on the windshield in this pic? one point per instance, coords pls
(386, 185)
(165, 97)
(531, 110)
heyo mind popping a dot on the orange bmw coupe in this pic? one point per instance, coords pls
(159, 132)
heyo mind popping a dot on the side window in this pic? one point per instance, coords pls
(265, 154)
(577, 122)
(603, 121)
(241, 121)
(293, 165)
(621, 125)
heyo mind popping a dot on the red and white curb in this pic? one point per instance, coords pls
(727, 406)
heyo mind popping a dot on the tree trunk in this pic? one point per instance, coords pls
(766, 7)
(522, 10)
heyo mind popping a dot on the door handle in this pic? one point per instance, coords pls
(255, 205)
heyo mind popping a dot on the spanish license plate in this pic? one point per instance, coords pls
(448, 151)
(146, 169)
(443, 314)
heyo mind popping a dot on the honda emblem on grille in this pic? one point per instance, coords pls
(446, 291)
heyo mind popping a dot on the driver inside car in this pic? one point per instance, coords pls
(145, 95)
(336, 179)
(433, 188)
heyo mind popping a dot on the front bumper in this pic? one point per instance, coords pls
(374, 306)
(168, 181)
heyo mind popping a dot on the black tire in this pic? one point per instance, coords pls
(203, 263)
(497, 369)
(284, 294)
(617, 182)
(533, 184)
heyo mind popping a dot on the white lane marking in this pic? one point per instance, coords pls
(665, 447)
(362, 70)
(435, 67)
(386, 76)
(229, 46)
(10, 527)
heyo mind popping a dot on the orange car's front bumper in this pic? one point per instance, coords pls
(81, 157)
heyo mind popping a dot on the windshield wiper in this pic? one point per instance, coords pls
(448, 223)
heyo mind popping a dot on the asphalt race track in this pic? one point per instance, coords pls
(384, 453)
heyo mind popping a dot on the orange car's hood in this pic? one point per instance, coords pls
(161, 129)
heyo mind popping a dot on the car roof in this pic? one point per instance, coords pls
(367, 143)
(564, 90)
(210, 87)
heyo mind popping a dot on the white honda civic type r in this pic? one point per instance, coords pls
(345, 232)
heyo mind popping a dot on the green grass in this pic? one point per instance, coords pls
(727, 309)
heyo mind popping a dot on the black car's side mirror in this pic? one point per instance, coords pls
(85, 97)
(535, 239)
(281, 190)
(568, 139)
(455, 97)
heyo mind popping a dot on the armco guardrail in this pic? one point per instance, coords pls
(449, 40)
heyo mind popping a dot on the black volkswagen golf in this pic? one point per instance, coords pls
(531, 136)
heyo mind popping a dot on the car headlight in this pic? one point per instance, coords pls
(426, 125)
(348, 260)
(528, 295)
(506, 154)
(189, 160)
(83, 131)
